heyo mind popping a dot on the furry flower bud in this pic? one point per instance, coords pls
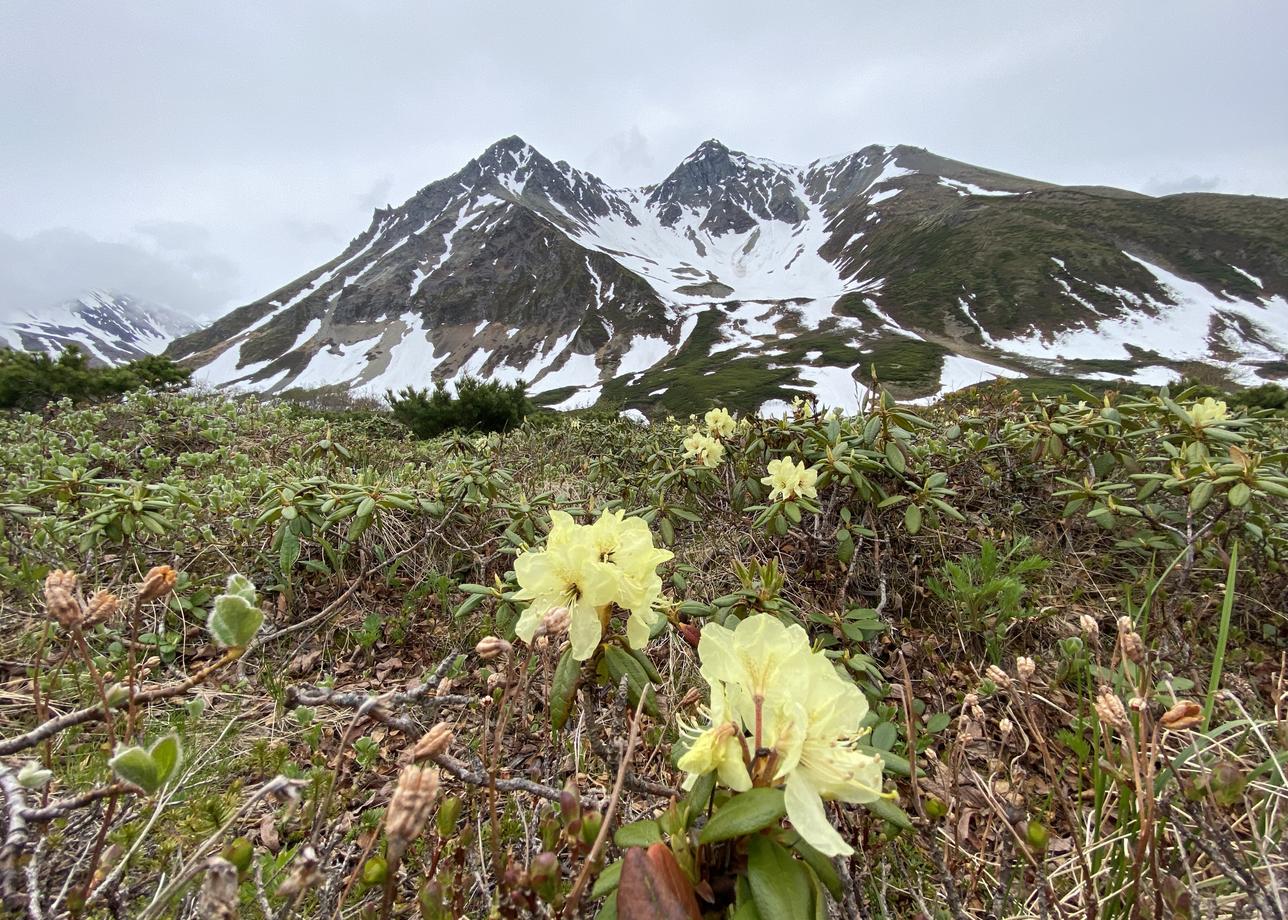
(492, 647)
(103, 608)
(1110, 709)
(410, 806)
(157, 583)
(1185, 714)
(60, 598)
(1025, 667)
(433, 742)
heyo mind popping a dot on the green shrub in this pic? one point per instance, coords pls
(30, 381)
(477, 406)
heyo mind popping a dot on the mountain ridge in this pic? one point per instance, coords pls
(111, 327)
(521, 266)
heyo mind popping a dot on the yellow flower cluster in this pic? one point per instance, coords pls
(790, 480)
(781, 715)
(720, 423)
(704, 449)
(588, 568)
(803, 408)
(1208, 411)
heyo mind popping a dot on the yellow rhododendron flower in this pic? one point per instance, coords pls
(567, 573)
(705, 449)
(771, 692)
(1208, 411)
(789, 480)
(802, 407)
(627, 544)
(587, 568)
(720, 423)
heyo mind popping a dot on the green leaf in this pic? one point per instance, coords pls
(235, 620)
(887, 809)
(1239, 495)
(607, 880)
(563, 689)
(912, 519)
(700, 795)
(894, 456)
(167, 754)
(289, 553)
(137, 766)
(780, 884)
(822, 866)
(241, 586)
(938, 722)
(745, 813)
(638, 834)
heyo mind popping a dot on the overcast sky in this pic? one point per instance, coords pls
(204, 153)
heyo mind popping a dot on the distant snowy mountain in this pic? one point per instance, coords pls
(743, 280)
(110, 328)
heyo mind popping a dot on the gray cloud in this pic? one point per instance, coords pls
(56, 265)
(277, 127)
(626, 157)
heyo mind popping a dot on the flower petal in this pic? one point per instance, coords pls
(805, 810)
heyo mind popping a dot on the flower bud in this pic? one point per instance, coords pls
(1025, 668)
(102, 608)
(998, 676)
(433, 742)
(1110, 709)
(591, 822)
(32, 776)
(936, 809)
(1005, 726)
(1185, 714)
(374, 870)
(1090, 628)
(240, 852)
(409, 808)
(555, 622)
(1037, 835)
(157, 583)
(1129, 639)
(569, 802)
(492, 647)
(60, 598)
(543, 874)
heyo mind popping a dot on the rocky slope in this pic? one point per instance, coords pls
(111, 328)
(743, 280)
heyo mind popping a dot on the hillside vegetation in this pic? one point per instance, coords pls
(1005, 656)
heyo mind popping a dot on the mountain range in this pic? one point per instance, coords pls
(744, 281)
(110, 327)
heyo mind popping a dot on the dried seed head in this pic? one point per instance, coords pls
(1129, 639)
(304, 873)
(409, 809)
(60, 597)
(1090, 628)
(998, 676)
(102, 608)
(1185, 714)
(555, 622)
(157, 583)
(1025, 668)
(490, 647)
(1110, 709)
(433, 742)
(218, 898)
